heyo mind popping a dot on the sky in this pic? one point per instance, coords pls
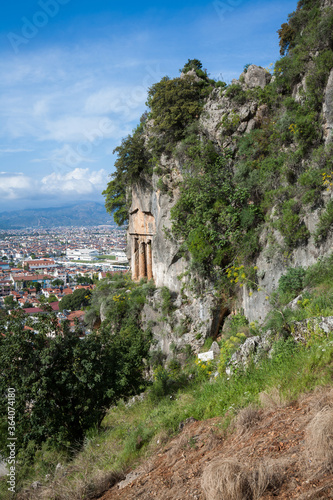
(75, 75)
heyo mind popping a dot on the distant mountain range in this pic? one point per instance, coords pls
(81, 214)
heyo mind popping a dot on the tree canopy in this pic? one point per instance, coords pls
(64, 384)
(75, 301)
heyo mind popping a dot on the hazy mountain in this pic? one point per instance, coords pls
(80, 214)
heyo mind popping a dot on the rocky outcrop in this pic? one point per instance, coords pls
(210, 355)
(252, 350)
(189, 323)
(154, 253)
(256, 77)
(301, 330)
(223, 118)
(328, 110)
(273, 262)
(150, 221)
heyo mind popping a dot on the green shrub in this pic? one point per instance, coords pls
(293, 281)
(325, 224)
(162, 186)
(236, 93)
(230, 122)
(228, 347)
(220, 84)
(283, 350)
(317, 79)
(234, 324)
(166, 383)
(175, 104)
(192, 64)
(291, 226)
(133, 161)
(167, 303)
(320, 273)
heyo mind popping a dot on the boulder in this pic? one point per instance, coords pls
(215, 349)
(256, 77)
(301, 330)
(241, 358)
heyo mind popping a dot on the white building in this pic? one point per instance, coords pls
(82, 254)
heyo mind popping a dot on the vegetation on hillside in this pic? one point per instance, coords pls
(133, 432)
(64, 384)
(272, 176)
(113, 359)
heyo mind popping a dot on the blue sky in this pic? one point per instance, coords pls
(75, 74)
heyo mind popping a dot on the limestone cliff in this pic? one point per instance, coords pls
(292, 107)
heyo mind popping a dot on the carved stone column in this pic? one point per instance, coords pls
(142, 260)
(135, 259)
(149, 261)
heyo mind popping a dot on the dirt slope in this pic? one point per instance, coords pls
(282, 437)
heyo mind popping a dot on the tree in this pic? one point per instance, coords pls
(84, 280)
(57, 282)
(66, 382)
(192, 64)
(174, 104)
(213, 215)
(132, 161)
(10, 302)
(52, 298)
(286, 35)
(77, 300)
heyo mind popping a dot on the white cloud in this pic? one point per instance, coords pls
(15, 186)
(67, 185)
(80, 181)
(15, 150)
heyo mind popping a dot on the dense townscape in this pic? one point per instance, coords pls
(39, 267)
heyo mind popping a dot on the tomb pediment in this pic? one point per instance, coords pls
(142, 223)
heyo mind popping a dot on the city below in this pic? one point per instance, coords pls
(46, 265)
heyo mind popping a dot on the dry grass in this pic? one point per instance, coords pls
(229, 480)
(84, 487)
(323, 397)
(271, 399)
(267, 476)
(213, 440)
(319, 439)
(247, 418)
(226, 480)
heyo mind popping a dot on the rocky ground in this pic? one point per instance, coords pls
(282, 451)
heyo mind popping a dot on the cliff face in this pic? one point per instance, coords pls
(274, 134)
(154, 253)
(192, 319)
(149, 220)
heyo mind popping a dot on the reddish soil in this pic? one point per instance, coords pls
(279, 434)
